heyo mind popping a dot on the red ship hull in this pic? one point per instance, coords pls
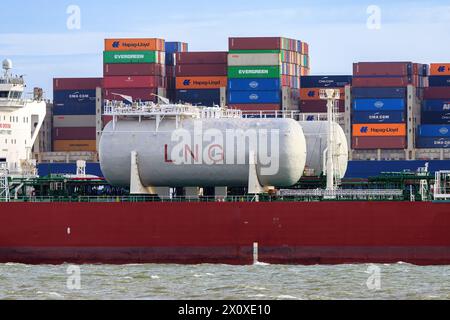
(191, 233)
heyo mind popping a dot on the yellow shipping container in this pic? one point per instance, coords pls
(74, 145)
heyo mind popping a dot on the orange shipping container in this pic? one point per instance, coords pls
(134, 45)
(201, 82)
(379, 130)
(74, 145)
(440, 69)
(314, 93)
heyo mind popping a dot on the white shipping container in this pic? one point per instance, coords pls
(254, 59)
(74, 121)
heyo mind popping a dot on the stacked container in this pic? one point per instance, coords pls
(74, 114)
(310, 101)
(379, 103)
(264, 73)
(172, 48)
(434, 131)
(201, 77)
(134, 67)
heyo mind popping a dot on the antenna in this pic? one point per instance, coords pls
(7, 65)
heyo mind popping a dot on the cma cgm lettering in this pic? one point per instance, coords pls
(325, 81)
(433, 143)
(74, 96)
(435, 118)
(379, 104)
(378, 117)
(379, 130)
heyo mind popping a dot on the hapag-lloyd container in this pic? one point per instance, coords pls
(325, 81)
(252, 97)
(201, 82)
(383, 68)
(143, 94)
(133, 82)
(74, 145)
(265, 72)
(438, 105)
(77, 83)
(134, 44)
(201, 70)
(260, 59)
(373, 143)
(87, 133)
(436, 93)
(146, 69)
(202, 58)
(431, 131)
(440, 81)
(378, 93)
(378, 117)
(433, 143)
(379, 104)
(254, 84)
(314, 93)
(440, 69)
(110, 57)
(75, 121)
(436, 118)
(379, 130)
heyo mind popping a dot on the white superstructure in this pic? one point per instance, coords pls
(20, 122)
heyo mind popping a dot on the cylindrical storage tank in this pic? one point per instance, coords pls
(170, 157)
(316, 133)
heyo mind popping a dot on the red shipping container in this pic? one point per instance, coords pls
(318, 106)
(371, 143)
(201, 70)
(382, 69)
(254, 43)
(436, 93)
(377, 82)
(134, 82)
(74, 133)
(136, 94)
(202, 58)
(256, 107)
(77, 83)
(147, 69)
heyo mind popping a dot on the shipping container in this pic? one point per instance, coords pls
(440, 69)
(379, 130)
(433, 143)
(378, 117)
(436, 105)
(314, 93)
(201, 82)
(133, 82)
(254, 84)
(439, 81)
(378, 93)
(74, 97)
(319, 106)
(74, 121)
(259, 59)
(202, 58)
(145, 69)
(204, 97)
(121, 57)
(174, 47)
(77, 83)
(134, 45)
(325, 81)
(432, 131)
(436, 93)
(382, 82)
(267, 43)
(379, 104)
(435, 117)
(74, 145)
(146, 94)
(265, 72)
(373, 143)
(88, 133)
(252, 97)
(201, 70)
(255, 108)
(69, 108)
(383, 69)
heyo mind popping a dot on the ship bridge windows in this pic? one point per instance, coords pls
(10, 94)
(4, 94)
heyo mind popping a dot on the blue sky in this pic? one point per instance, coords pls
(34, 33)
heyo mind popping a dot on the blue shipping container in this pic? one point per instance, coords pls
(377, 93)
(379, 105)
(69, 109)
(433, 143)
(248, 97)
(436, 105)
(433, 131)
(174, 47)
(325, 81)
(439, 81)
(74, 96)
(170, 59)
(254, 84)
(435, 118)
(378, 117)
(204, 97)
(45, 169)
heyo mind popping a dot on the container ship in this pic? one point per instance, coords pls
(257, 171)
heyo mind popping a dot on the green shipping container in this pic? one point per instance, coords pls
(254, 72)
(130, 57)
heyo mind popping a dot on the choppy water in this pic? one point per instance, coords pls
(160, 282)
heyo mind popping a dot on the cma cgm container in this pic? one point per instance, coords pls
(254, 84)
(77, 83)
(431, 131)
(202, 97)
(433, 143)
(440, 69)
(377, 93)
(374, 143)
(439, 81)
(143, 94)
(325, 81)
(134, 44)
(250, 97)
(146, 69)
(435, 118)
(436, 105)
(197, 58)
(74, 102)
(133, 82)
(88, 133)
(378, 117)
(379, 104)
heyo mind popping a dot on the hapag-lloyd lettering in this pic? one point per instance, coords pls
(384, 130)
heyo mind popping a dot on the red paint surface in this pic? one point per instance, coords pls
(255, 43)
(202, 58)
(436, 93)
(371, 143)
(318, 106)
(88, 133)
(384, 82)
(133, 82)
(381, 69)
(201, 70)
(77, 83)
(133, 69)
(289, 233)
(144, 94)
